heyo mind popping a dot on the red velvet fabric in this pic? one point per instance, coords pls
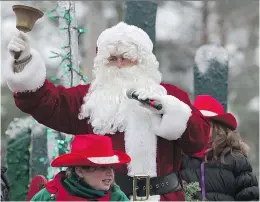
(200, 154)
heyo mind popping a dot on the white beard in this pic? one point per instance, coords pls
(106, 104)
(109, 110)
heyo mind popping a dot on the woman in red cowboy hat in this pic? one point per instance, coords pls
(89, 175)
(222, 169)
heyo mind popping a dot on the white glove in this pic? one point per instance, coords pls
(175, 115)
(169, 102)
(20, 42)
(145, 94)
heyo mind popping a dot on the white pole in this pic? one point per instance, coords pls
(69, 70)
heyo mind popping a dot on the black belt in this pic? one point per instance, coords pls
(158, 185)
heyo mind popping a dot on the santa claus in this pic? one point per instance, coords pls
(154, 139)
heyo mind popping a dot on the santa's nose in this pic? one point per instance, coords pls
(119, 62)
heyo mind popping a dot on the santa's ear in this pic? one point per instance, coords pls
(96, 49)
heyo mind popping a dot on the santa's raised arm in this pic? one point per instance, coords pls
(124, 60)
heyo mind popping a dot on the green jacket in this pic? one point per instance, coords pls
(64, 189)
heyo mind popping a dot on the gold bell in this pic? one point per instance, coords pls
(26, 16)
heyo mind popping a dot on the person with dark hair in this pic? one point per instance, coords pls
(4, 185)
(222, 168)
(90, 174)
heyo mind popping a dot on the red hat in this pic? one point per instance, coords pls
(91, 150)
(212, 109)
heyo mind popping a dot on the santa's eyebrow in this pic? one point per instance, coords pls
(119, 55)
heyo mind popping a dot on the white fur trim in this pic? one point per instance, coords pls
(141, 143)
(104, 160)
(174, 120)
(31, 78)
(208, 113)
(127, 33)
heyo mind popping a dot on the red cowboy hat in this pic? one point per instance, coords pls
(91, 150)
(212, 109)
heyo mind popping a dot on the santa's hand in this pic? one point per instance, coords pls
(28, 74)
(175, 117)
(145, 94)
(168, 102)
(20, 42)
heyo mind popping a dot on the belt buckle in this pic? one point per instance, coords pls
(147, 187)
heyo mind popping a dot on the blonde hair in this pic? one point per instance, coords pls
(224, 141)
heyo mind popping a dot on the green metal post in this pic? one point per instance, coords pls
(143, 15)
(211, 73)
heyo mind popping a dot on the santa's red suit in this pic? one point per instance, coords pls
(154, 140)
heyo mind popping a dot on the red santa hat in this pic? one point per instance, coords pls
(128, 33)
(213, 110)
(91, 150)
